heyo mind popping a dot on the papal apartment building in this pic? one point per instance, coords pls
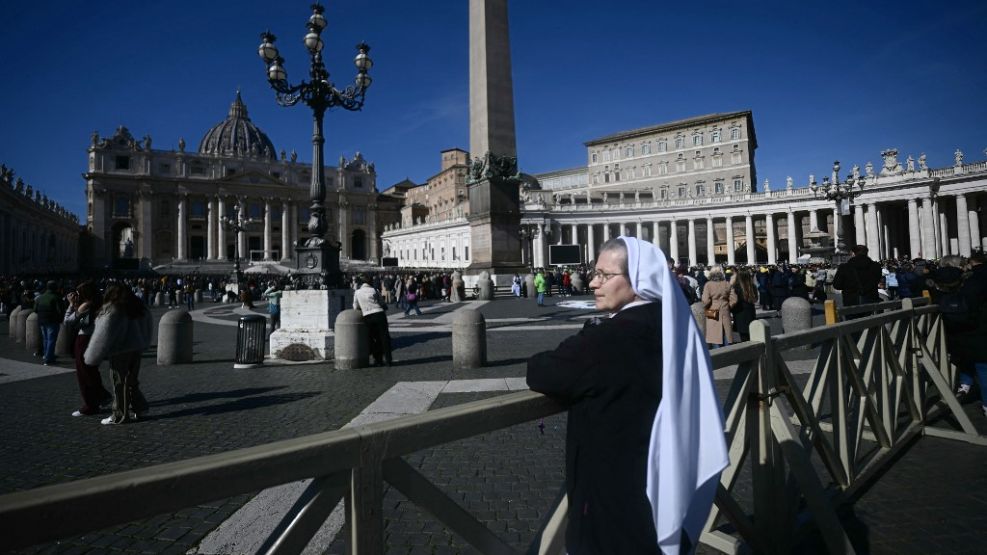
(164, 207)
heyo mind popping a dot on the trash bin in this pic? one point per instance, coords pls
(251, 335)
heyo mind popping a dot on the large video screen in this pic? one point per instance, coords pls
(564, 255)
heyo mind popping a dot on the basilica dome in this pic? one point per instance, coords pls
(237, 136)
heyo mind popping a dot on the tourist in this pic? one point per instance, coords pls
(962, 300)
(368, 301)
(122, 332)
(541, 286)
(50, 310)
(411, 297)
(745, 311)
(644, 440)
(718, 298)
(80, 319)
(516, 286)
(273, 295)
(858, 278)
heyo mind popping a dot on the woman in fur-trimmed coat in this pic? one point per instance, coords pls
(121, 334)
(719, 296)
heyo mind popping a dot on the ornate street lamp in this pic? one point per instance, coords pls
(236, 224)
(318, 260)
(842, 193)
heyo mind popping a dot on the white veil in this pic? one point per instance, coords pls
(688, 448)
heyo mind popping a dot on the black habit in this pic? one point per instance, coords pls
(610, 375)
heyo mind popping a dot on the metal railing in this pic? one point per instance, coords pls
(877, 384)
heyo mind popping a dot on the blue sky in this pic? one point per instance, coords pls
(825, 80)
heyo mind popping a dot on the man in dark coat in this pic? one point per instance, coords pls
(962, 299)
(50, 308)
(858, 278)
(612, 407)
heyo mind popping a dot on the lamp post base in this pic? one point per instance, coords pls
(317, 266)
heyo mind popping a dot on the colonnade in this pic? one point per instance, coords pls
(215, 231)
(927, 226)
(29, 245)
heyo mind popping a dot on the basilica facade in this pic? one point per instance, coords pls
(165, 208)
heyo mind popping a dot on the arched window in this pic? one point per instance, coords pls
(735, 133)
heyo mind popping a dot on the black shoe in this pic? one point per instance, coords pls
(964, 397)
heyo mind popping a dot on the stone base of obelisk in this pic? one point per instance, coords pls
(307, 320)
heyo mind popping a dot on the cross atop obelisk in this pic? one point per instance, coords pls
(491, 87)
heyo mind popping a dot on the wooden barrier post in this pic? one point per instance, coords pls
(830, 310)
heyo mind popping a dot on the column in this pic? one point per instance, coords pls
(962, 225)
(835, 232)
(656, 234)
(574, 228)
(182, 200)
(640, 230)
(211, 230)
(241, 238)
(975, 241)
(285, 231)
(540, 247)
(673, 241)
(730, 245)
(590, 243)
(947, 247)
(883, 234)
(749, 238)
(928, 229)
(606, 232)
(267, 229)
(769, 221)
(858, 225)
(710, 242)
(220, 229)
(146, 231)
(813, 220)
(793, 248)
(294, 226)
(693, 257)
(914, 231)
(870, 221)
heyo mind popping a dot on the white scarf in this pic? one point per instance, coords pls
(688, 448)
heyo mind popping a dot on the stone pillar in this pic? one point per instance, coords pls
(656, 234)
(962, 225)
(285, 231)
(974, 217)
(914, 231)
(883, 235)
(693, 256)
(870, 222)
(241, 238)
(749, 238)
(146, 247)
(559, 240)
(182, 201)
(858, 225)
(267, 229)
(606, 232)
(673, 241)
(710, 242)
(220, 229)
(211, 222)
(590, 243)
(540, 247)
(731, 258)
(928, 230)
(574, 229)
(769, 221)
(813, 220)
(793, 248)
(947, 247)
(294, 225)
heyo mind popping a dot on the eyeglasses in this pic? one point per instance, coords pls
(603, 276)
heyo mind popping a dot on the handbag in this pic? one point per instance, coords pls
(712, 314)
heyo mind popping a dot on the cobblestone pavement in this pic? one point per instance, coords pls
(932, 500)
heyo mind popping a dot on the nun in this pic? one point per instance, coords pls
(644, 440)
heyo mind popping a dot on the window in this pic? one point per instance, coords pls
(121, 206)
(738, 185)
(646, 148)
(647, 170)
(681, 192)
(255, 210)
(466, 253)
(594, 157)
(122, 163)
(715, 136)
(663, 168)
(664, 194)
(735, 157)
(700, 190)
(628, 152)
(197, 209)
(359, 215)
(717, 161)
(442, 253)
(697, 140)
(680, 165)
(454, 253)
(679, 142)
(164, 169)
(735, 133)
(606, 177)
(197, 169)
(606, 155)
(698, 163)
(663, 146)
(718, 187)
(358, 183)
(164, 209)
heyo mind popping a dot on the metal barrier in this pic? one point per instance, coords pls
(251, 340)
(864, 402)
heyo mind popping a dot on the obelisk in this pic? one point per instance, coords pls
(495, 211)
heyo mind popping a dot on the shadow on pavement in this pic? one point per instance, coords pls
(238, 405)
(208, 396)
